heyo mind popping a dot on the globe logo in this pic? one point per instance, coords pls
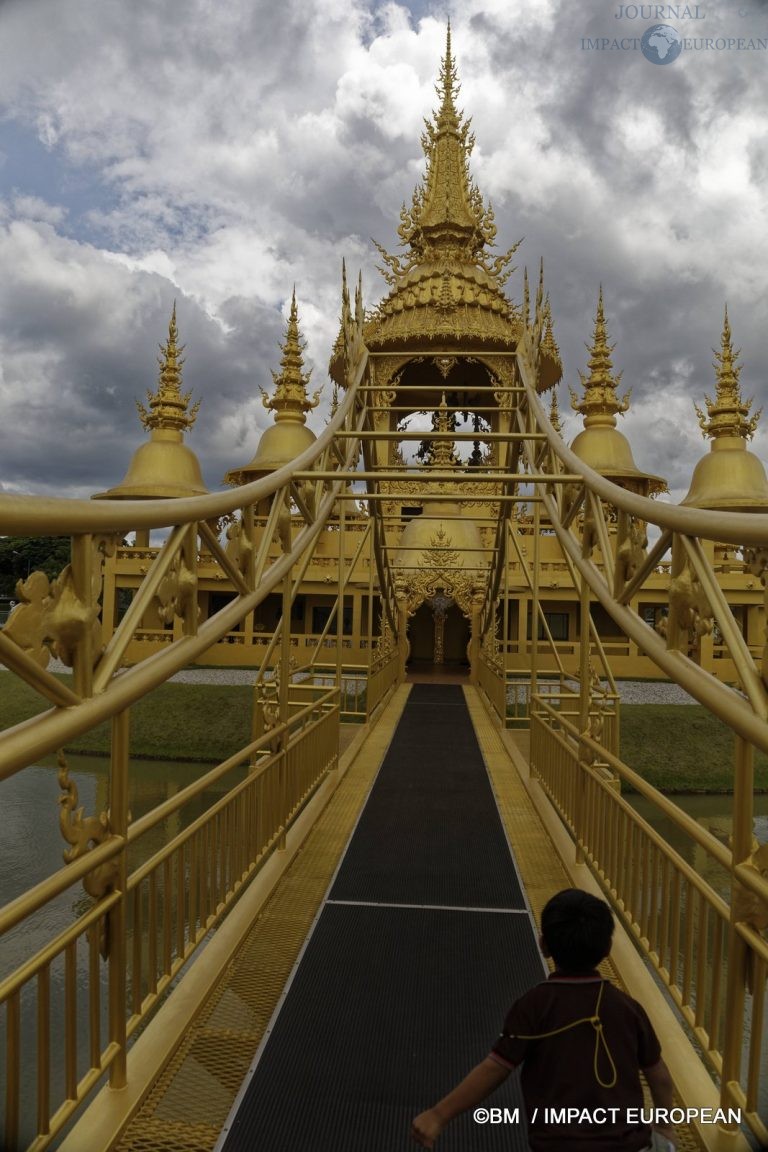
(661, 44)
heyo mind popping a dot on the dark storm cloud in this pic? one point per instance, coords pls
(74, 363)
(225, 154)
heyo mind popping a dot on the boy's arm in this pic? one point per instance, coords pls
(660, 1084)
(481, 1081)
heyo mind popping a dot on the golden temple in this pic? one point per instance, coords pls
(438, 525)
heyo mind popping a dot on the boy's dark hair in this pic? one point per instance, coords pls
(577, 929)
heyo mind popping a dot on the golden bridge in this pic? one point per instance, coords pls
(228, 988)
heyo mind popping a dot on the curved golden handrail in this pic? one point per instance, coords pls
(723, 527)
(49, 515)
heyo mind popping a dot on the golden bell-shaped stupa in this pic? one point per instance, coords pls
(729, 477)
(289, 436)
(600, 445)
(164, 466)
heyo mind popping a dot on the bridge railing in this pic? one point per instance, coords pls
(691, 932)
(118, 958)
(681, 921)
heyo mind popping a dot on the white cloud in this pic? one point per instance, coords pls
(229, 152)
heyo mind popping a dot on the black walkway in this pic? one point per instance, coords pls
(422, 945)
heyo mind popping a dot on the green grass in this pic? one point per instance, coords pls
(677, 748)
(176, 722)
(682, 748)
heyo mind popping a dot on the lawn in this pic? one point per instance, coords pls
(677, 748)
(175, 722)
(682, 748)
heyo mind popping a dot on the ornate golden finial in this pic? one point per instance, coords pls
(554, 414)
(548, 343)
(600, 403)
(447, 221)
(169, 407)
(728, 413)
(290, 401)
(448, 81)
(539, 293)
(443, 452)
(344, 287)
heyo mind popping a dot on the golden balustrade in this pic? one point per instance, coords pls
(681, 922)
(706, 945)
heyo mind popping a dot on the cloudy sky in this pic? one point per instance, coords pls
(218, 154)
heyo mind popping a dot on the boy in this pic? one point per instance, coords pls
(581, 1043)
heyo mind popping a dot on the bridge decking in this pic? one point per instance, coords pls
(422, 944)
(385, 973)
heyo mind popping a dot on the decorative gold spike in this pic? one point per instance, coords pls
(290, 400)
(728, 413)
(548, 343)
(443, 451)
(344, 288)
(600, 396)
(169, 407)
(540, 292)
(359, 310)
(554, 414)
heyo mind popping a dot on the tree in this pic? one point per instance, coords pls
(20, 555)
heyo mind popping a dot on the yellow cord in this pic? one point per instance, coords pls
(597, 1024)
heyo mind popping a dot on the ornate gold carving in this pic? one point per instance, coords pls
(177, 591)
(67, 618)
(600, 397)
(25, 623)
(756, 563)
(728, 413)
(169, 407)
(83, 833)
(269, 699)
(439, 568)
(491, 646)
(52, 619)
(386, 646)
(446, 285)
(689, 608)
(444, 365)
(631, 548)
(291, 400)
(239, 547)
(748, 907)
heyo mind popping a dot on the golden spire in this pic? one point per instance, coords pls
(548, 343)
(447, 222)
(600, 445)
(164, 465)
(600, 403)
(445, 286)
(290, 401)
(443, 451)
(728, 414)
(169, 407)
